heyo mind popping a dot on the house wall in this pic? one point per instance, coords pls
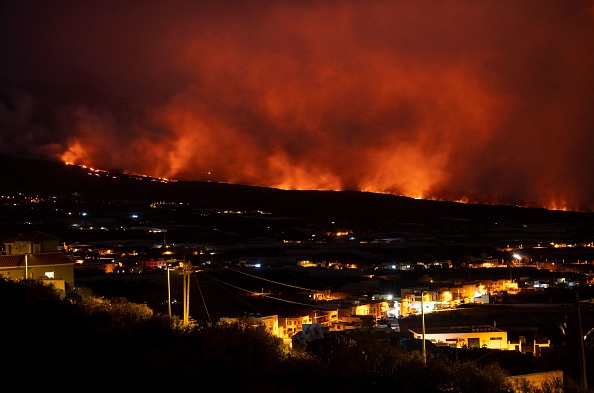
(25, 247)
(62, 272)
(492, 340)
(19, 248)
(57, 284)
(292, 325)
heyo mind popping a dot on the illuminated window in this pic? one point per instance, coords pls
(49, 274)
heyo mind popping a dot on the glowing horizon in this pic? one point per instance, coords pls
(485, 102)
(464, 200)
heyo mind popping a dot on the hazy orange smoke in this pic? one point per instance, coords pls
(473, 101)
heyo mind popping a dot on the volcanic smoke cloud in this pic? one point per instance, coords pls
(479, 101)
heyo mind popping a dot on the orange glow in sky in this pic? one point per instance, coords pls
(485, 101)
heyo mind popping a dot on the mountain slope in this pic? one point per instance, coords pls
(48, 177)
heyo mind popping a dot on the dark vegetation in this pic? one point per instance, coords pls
(78, 340)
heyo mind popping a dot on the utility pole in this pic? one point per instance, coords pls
(187, 271)
(423, 328)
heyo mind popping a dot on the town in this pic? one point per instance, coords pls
(452, 282)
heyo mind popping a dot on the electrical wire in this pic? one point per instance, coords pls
(272, 281)
(259, 294)
(218, 282)
(203, 300)
(249, 291)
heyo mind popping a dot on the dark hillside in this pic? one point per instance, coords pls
(46, 177)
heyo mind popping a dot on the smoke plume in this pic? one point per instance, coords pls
(485, 101)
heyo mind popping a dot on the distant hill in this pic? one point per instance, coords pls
(50, 177)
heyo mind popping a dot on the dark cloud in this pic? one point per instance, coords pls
(483, 100)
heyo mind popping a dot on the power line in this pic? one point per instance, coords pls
(259, 294)
(272, 281)
(203, 300)
(233, 294)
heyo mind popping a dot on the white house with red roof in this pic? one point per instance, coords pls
(35, 255)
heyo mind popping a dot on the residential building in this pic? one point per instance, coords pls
(35, 255)
(482, 336)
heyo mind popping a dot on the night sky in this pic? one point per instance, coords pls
(478, 101)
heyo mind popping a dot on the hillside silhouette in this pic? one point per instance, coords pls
(51, 177)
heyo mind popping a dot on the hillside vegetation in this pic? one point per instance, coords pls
(78, 340)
